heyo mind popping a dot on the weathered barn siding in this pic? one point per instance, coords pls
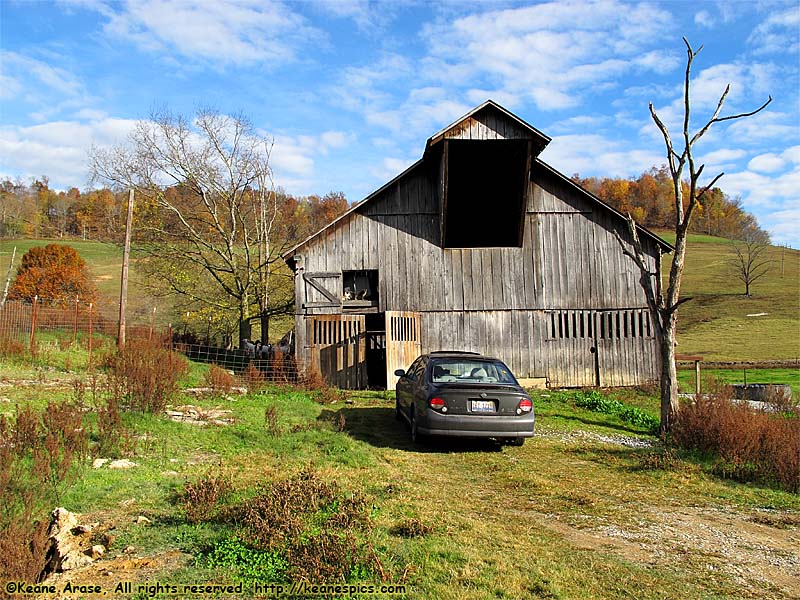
(497, 300)
(560, 300)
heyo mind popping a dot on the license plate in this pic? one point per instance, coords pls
(482, 406)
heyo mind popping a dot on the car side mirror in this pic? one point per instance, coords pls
(400, 373)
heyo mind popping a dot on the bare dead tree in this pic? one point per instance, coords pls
(749, 263)
(687, 194)
(207, 185)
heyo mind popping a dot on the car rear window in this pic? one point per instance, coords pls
(470, 371)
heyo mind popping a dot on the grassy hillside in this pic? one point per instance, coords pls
(105, 263)
(716, 324)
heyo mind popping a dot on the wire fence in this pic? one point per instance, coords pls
(27, 329)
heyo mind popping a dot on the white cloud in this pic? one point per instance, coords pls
(778, 32)
(766, 163)
(552, 53)
(293, 157)
(592, 154)
(391, 168)
(704, 19)
(58, 149)
(222, 32)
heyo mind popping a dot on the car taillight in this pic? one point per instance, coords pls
(525, 405)
(438, 404)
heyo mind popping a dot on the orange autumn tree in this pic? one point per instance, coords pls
(55, 273)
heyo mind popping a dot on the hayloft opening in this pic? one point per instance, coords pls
(485, 193)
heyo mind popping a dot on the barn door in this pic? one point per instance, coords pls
(338, 349)
(322, 290)
(402, 342)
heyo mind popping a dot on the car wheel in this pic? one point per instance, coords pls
(517, 441)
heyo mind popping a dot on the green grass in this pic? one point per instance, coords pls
(715, 324)
(686, 378)
(500, 523)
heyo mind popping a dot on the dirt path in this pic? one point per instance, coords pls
(763, 559)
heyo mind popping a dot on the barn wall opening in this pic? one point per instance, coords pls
(484, 202)
(360, 289)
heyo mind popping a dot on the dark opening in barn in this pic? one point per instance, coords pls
(485, 190)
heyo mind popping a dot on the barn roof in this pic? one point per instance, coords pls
(490, 121)
(509, 126)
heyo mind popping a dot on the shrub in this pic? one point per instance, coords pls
(597, 402)
(143, 377)
(748, 444)
(38, 454)
(55, 273)
(203, 498)
(253, 378)
(321, 391)
(271, 421)
(219, 380)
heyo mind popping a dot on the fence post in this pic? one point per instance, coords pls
(152, 318)
(33, 325)
(169, 330)
(90, 336)
(75, 322)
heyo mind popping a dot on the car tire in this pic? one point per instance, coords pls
(517, 441)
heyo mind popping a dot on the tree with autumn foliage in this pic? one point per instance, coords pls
(55, 273)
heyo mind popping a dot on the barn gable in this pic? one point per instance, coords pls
(478, 246)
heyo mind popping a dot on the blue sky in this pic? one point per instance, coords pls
(351, 89)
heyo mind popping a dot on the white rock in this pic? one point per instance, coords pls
(122, 463)
(99, 462)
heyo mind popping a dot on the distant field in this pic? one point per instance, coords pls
(716, 324)
(732, 376)
(105, 263)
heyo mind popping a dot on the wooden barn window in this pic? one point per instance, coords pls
(360, 288)
(604, 325)
(484, 193)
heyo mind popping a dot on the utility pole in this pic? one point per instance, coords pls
(123, 292)
(8, 277)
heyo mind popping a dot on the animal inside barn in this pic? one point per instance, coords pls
(478, 246)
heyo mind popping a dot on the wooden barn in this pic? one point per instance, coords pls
(480, 246)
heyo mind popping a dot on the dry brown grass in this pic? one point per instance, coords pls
(749, 444)
(143, 377)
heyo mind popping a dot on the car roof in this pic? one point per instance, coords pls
(460, 354)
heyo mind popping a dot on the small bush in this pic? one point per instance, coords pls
(253, 378)
(219, 380)
(275, 515)
(320, 390)
(114, 440)
(249, 563)
(203, 498)
(748, 444)
(11, 348)
(143, 377)
(38, 455)
(271, 421)
(597, 402)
